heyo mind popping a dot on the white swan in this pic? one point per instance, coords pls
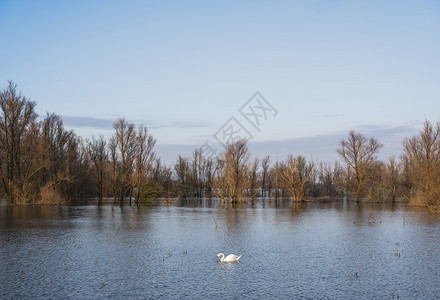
(229, 258)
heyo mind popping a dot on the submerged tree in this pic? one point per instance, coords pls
(422, 153)
(144, 158)
(265, 168)
(124, 143)
(194, 175)
(162, 180)
(326, 180)
(232, 173)
(253, 178)
(294, 174)
(392, 172)
(114, 167)
(99, 156)
(42, 162)
(181, 168)
(359, 152)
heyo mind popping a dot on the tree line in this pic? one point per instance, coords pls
(43, 163)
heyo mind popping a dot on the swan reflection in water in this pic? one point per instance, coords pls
(229, 258)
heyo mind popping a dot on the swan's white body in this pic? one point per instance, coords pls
(229, 258)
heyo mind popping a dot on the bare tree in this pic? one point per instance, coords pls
(182, 171)
(66, 158)
(202, 172)
(196, 173)
(423, 154)
(270, 181)
(277, 181)
(232, 173)
(339, 179)
(34, 161)
(144, 158)
(326, 179)
(392, 173)
(207, 167)
(359, 152)
(114, 167)
(98, 154)
(407, 177)
(383, 180)
(17, 115)
(58, 141)
(125, 138)
(375, 185)
(162, 183)
(253, 178)
(294, 174)
(265, 166)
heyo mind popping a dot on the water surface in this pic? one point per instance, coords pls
(327, 250)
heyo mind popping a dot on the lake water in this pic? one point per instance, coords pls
(328, 250)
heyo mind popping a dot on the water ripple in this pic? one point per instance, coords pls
(317, 251)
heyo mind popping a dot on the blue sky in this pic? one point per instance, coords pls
(184, 68)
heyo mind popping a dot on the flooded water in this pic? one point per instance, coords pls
(333, 250)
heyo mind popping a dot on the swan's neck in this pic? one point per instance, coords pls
(222, 256)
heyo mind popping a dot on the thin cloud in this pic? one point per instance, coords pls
(323, 147)
(379, 131)
(107, 124)
(89, 122)
(318, 147)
